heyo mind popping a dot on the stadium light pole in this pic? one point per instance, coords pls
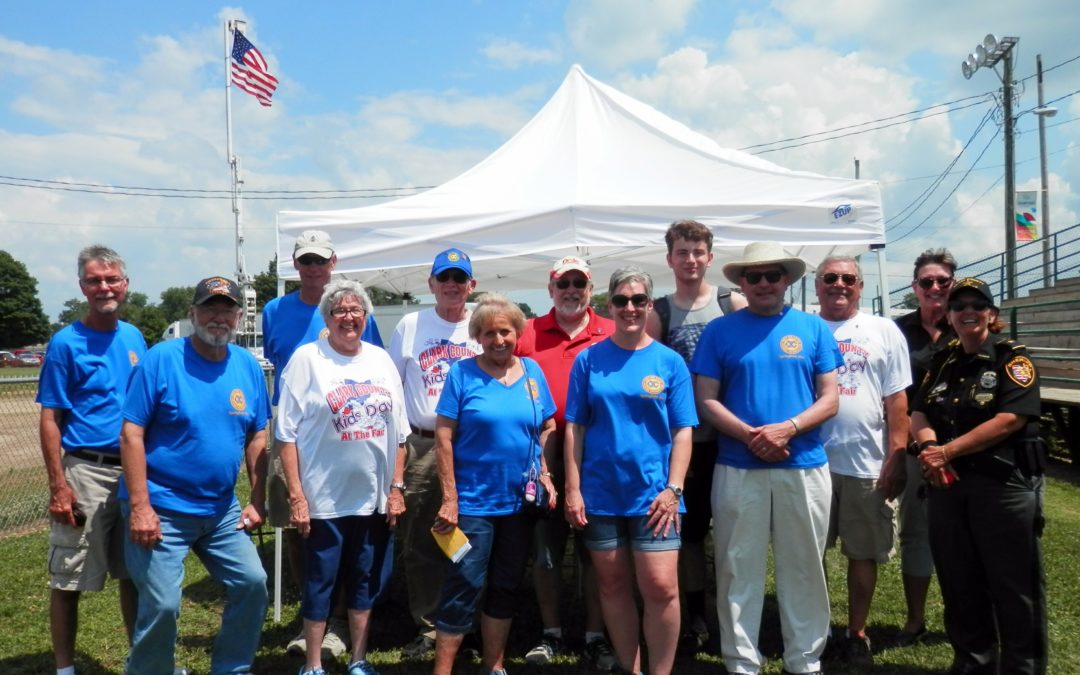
(988, 54)
(1042, 112)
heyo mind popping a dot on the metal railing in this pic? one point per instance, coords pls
(24, 489)
(1018, 331)
(1064, 263)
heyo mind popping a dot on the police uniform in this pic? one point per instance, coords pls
(985, 527)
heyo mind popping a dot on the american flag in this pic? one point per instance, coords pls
(249, 70)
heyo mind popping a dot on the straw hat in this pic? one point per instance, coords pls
(765, 253)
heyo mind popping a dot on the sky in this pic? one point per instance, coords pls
(379, 99)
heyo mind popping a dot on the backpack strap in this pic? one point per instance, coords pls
(723, 296)
(662, 307)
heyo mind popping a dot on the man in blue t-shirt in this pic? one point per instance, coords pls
(290, 321)
(196, 408)
(81, 392)
(766, 379)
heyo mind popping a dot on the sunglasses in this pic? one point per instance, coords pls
(458, 276)
(620, 301)
(755, 277)
(832, 277)
(926, 283)
(563, 284)
(306, 260)
(961, 305)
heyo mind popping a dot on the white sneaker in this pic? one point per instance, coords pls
(297, 645)
(336, 640)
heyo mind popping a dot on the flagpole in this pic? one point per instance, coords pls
(234, 162)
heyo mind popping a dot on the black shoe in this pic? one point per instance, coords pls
(421, 647)
(470, 648)
(857, 652)
(909, 638)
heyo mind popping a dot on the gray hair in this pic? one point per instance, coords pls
(841, 259)
(338, 290)
(491, 305)
(102, 254)
(629, 274)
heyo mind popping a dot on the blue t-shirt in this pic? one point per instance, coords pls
(767, 367)
(497, 434)
(196, 415)
(628, 401)
(85, 374)
(289, 322)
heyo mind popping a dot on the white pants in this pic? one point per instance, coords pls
(790, 508)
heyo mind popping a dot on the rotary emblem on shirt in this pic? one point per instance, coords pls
(236, 398)
(532, 389)
(790, 344)
(652, 384)
(1021, 371)
(133, 357)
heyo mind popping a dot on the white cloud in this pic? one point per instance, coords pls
(615, 33)
(512, 54)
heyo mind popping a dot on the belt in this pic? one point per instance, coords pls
(96, 457)
(422, 432)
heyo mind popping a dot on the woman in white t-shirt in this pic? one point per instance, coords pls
(342, 426)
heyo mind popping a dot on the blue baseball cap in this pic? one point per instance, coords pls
(452, 259)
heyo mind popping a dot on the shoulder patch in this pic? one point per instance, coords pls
(1021, 371)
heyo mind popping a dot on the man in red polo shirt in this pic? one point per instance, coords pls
(554, 341)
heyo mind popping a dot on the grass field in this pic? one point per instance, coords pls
(25, 646)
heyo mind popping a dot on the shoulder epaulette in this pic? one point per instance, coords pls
(953, 342)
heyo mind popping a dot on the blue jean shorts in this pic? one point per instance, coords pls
(356, 551)
(607, 533)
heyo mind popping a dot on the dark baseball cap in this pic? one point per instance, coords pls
(972, 284)
(213, 287)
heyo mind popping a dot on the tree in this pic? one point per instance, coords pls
(175, 302)
(384, 297)
(148, 318)
(24, 322)
(599, 303)
(910, 301)
(74, 309)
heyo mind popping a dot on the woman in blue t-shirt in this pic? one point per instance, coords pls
(630, 413)
(494, 426)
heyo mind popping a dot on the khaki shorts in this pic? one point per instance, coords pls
(80, 557)
(862, 518)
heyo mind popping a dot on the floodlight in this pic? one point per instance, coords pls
(990, 43)
(1045, 111)
(966, 69)
(980, 55)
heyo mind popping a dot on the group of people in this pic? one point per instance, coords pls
(637, 433)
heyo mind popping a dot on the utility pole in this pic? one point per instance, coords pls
(1042, 112)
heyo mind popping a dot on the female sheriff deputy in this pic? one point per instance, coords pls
(975, 420)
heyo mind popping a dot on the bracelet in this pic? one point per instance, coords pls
(547, 474)
(795, 423)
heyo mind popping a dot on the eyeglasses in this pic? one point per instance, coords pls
(639, 300)
(961, 305)
(458, 276)
(832, 277)
(112, 282)
(563, 284)
(306, 260)
(755, 277)
(342, 312)
(926, 283)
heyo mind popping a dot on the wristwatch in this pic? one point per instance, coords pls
(399, 486)
(674, 488)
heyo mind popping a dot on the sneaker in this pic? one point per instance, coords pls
(422, 646)
(361, 667)
(297, 646)
(599, 655)
(335, 641)
(545, 651)
(857, 652)
(304, 670)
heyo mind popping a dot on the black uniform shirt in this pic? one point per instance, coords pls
(961, 391)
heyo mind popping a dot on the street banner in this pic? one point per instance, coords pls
(1028, 219)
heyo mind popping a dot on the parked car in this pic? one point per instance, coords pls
(7, 359)
(29, 359)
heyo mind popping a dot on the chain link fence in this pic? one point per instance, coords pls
(24, 489)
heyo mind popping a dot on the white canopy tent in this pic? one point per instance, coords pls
(601, 175)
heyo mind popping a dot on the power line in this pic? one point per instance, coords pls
(174, 193)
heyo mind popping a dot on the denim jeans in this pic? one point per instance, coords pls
(158, 573)
(497, 561)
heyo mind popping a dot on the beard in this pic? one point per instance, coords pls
(204, 334)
